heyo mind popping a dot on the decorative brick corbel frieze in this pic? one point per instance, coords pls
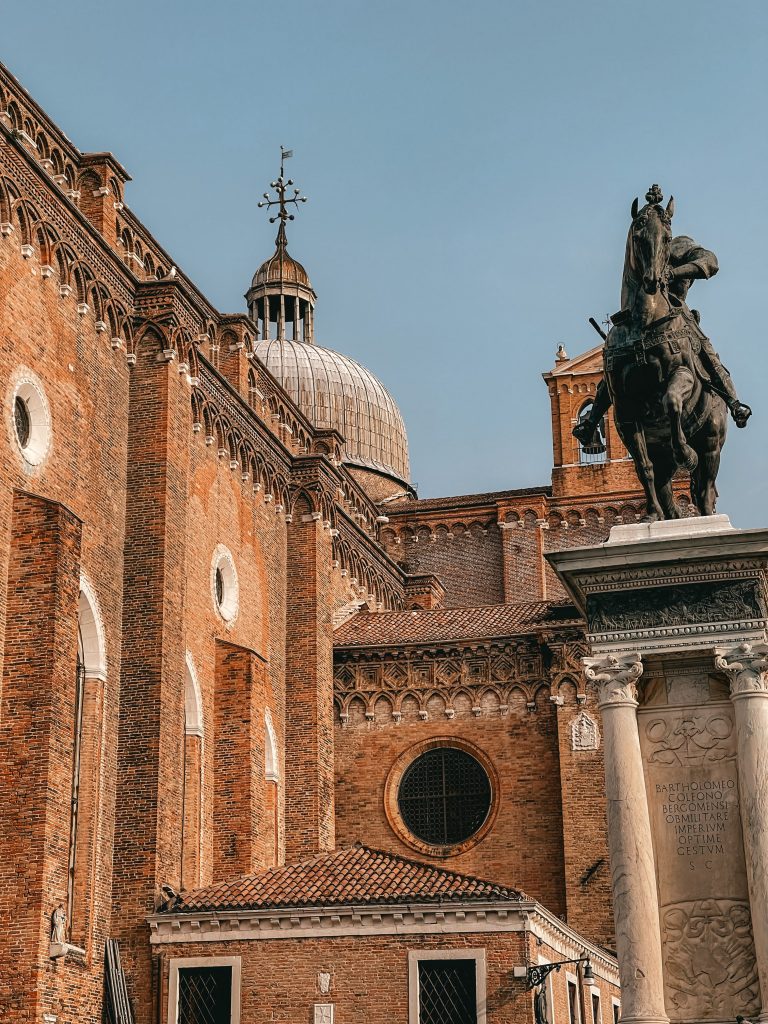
(615, 677)
(746, 666)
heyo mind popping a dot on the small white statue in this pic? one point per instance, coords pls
(59, 925)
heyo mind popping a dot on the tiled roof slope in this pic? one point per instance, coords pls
(461, 500)
(351, 875)
(375, 629)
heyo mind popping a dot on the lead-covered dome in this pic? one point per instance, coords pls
(335, 392)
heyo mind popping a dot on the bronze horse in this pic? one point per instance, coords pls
(666, 412)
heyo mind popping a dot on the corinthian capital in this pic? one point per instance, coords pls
(615, 676)
(746, 666)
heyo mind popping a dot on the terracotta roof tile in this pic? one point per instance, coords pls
(352, 875)
(405, 505)
(377, 629)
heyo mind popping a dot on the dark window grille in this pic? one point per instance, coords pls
(596, 1015)
(444, 796)
(205, 995)
(447, 992)
(21, 421)
(219, 587)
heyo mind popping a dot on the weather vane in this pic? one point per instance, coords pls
(281, 187)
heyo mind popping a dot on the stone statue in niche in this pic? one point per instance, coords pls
(540, 1007)
(585, 734)
(59, 926)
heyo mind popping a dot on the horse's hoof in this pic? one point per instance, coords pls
(687, 458)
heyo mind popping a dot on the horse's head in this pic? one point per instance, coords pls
(649, 240)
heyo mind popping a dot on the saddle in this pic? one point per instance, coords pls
(669, 330)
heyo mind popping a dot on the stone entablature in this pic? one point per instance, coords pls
(427, 919)
(446, 682)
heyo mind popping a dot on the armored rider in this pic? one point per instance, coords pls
(688, 262)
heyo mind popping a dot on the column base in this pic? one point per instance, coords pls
(644, 1020)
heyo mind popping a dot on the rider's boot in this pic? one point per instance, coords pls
(721, 379)
(585, 429)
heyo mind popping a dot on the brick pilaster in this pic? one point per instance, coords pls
(242, 835)
(309, 772)
(151, 737)
(37, 729)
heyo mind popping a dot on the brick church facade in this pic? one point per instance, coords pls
(278, 739)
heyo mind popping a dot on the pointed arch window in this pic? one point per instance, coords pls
(88, 724)
(272, 791)
(192, 792)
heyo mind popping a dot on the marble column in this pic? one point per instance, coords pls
(747, 667)
(635, 906)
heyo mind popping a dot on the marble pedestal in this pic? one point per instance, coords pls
(677, 617)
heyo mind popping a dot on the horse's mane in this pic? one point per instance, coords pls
(629, 276)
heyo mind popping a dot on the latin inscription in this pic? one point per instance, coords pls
(693, 800)
(697, 814)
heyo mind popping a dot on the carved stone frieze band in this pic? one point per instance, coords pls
(678, 605)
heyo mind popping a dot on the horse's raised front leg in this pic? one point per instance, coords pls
(679, 390)
(638, 449)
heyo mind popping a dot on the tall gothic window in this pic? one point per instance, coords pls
(192, 796)
(74, 816)
(87, 744)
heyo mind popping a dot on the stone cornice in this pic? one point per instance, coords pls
(398, 919)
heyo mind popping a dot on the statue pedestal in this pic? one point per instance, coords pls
(677, 618)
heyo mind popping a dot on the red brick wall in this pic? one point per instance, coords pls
(369, 976)
(522, 747)
(585, 840)
(86, 385)
(240, 835)
(466, 558)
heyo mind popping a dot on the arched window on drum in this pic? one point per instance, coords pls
(596, 451)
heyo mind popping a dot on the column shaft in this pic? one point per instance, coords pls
(747, 666)
(635, 905)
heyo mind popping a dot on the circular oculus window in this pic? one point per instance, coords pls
(31, 420)
(225, 589)
(441, 797)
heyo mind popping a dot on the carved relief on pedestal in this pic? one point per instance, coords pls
(689, 755)
(690, 739)
(585, 734)
(709, 961)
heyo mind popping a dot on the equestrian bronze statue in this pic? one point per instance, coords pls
(670, 392)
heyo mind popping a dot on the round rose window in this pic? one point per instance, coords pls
(444, 796)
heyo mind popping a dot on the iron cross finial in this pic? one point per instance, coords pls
(281, 187)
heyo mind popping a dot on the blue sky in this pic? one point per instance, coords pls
(470, 169)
